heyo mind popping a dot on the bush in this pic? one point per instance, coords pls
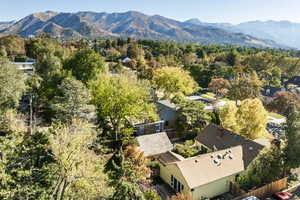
(187, 149)
(151, 195)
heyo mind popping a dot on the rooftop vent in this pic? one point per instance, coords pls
(250, 148)
(219, 156)
(216, 161)
(231, 157)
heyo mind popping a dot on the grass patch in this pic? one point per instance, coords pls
(210, 94)
(276, 115)
(208, 97)
(188, 149)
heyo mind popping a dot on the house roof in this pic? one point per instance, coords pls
(210, 167)
(218, 138)
(168, 104)
(154, 144)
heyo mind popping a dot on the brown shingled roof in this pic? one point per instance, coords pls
(218, 138)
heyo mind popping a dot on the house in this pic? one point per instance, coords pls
(211, 174)
(154, 144)
(148, 128)
(25, 66)
(167, 112)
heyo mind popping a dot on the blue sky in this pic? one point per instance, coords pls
(233, 11)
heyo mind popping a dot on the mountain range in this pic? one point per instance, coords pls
(282, 32)
(138, 25)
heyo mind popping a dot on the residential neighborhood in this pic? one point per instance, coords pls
(152, 100)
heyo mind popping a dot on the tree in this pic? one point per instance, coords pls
(282, 101)
(126, 170)
(248, 120)
(174, 80)
(265, 169)
(14, 45)
(72, 101)
(245, 86)
(151, 195)
(50, 72)
(219, 86)
(192, 117)
(228, 117)
(233, 58)
(12, 83)
(79, 169)
(85, 65)
(121, 101)
(25, 161)
(252, 119)
(292, 141)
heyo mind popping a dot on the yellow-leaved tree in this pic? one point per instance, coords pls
(173, 80)
(228, 117)
(79, 170)
(249, 119)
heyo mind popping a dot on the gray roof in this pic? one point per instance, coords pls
(154, 144)
(168, 104)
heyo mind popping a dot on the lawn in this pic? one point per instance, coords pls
(276, 115)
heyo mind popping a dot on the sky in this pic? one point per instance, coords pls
(233, 11)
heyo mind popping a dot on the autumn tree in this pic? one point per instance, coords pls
(228, 117)
(249, 119)
(252, 119)
(219, 86)
(13, 44)
(282, 101)
(126, 170)
(174, 80)
(79, 169)
(121, 101)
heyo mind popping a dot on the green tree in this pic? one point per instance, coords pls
(265, 169)
(73, 100)
(79, 169)
(174, 80)
(292, 141)
(192, 117)
(126, 170)
(25, 165)
(12, 83)
(245, 86)
(121, 101)
(85, 65)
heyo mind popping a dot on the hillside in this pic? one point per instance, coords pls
(282, 32)
(128, 24)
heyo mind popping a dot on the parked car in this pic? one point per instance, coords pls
(251, 198)
(282, 195)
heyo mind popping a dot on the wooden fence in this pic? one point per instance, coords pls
(261, 192)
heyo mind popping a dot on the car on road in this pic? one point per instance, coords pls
(282, 196)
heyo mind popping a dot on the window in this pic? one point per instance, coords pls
(176, 185)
